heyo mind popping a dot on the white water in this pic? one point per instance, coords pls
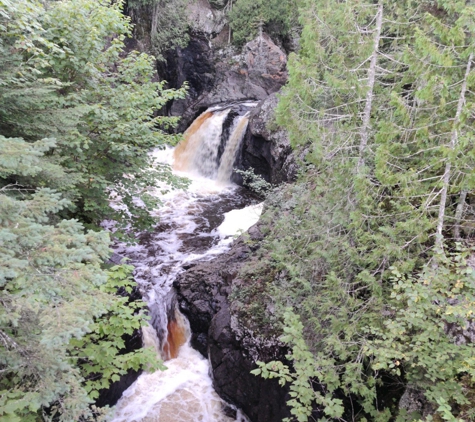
(184, 392)
(190, 229)
(229, 156)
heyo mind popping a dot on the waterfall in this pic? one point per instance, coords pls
(194, 225)
(198, 153)
(229, 156)
(184, 153)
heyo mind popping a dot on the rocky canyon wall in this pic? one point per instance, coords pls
(218, 72)
(204, 293)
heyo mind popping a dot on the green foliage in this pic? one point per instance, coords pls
(77, 120)
(165, 22)
(98, 354)
(49, 279)
(306, 370)
(58, 306)
(74, 86)
(423, 337)
(254, 182)
(380, 100)
(171, 26)
(276, 17)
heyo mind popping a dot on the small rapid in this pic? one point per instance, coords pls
(197, 224)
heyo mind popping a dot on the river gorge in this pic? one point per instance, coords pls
(194, 225)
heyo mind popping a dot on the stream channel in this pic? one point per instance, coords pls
(197, 224)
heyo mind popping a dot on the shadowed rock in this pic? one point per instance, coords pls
(203, 294)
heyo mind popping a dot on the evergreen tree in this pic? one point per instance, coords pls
(76, 115)
(380, 100)
(276, 17)
(73, 85)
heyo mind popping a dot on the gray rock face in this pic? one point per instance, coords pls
(216, 71)
(257, 72)
(206, 19)
(414, 403)
(218, 75)
(203, 294)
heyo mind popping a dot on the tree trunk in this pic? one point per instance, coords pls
(439, 239)
(459, 214)
(230, 32)
(369, 95)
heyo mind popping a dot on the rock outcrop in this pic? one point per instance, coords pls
(215, 70)
(266, 147)
(223, 75)
(203, 293)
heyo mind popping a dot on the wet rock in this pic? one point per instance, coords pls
(225, 74)
(115, 259)
(266, 147)
(203, 294)
(414, 402)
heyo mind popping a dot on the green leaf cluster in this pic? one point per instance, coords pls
(99, 353)
(275, 17)
(164, 22)
(424, 336)
(75, 86)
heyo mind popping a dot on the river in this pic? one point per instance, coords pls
(197, 224)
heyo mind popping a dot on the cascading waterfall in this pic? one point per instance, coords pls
(199, 150)
(194, 225)
(229, 156)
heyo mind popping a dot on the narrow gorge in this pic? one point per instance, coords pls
(231, 98)
(194, 226)
(271, 201)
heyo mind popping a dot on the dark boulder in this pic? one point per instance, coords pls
(266, 147)
(203, 294)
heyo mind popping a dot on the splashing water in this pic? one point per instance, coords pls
(198, 152)
(194, 225)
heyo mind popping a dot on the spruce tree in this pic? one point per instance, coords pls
(76, 116)
(379, 101)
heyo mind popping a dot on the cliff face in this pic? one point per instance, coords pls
(219, 75)
(266, 147)
(203, 292)
(215, 70)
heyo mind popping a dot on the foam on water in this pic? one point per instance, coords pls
(182, 393)
(238, 221)
(193, 225)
